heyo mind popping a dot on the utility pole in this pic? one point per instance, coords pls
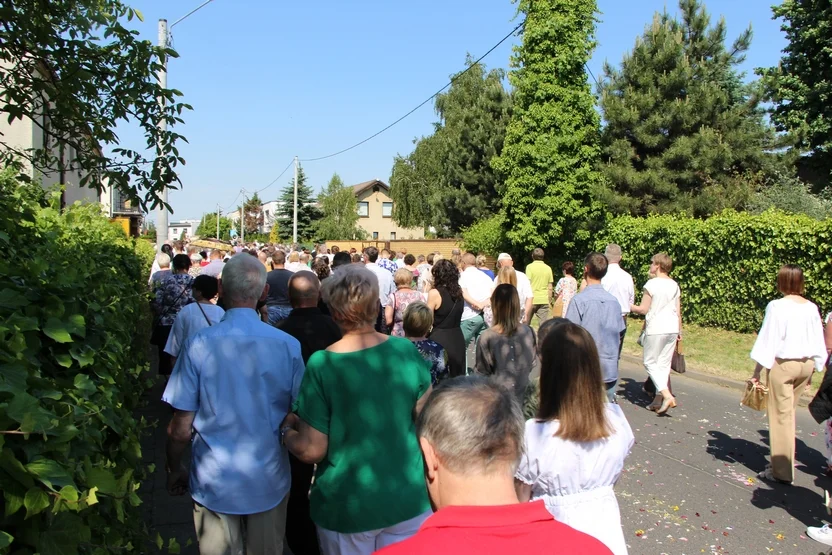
(162, 77)
(243, 219)
(295, 220)
(218, 220)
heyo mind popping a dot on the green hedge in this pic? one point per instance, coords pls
(73, 345)
(727, 265)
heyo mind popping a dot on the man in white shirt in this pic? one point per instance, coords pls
(386, 285)
(619, 284)
(476, 290)
(524, 286)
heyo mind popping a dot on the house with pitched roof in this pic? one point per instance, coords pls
(375, 213)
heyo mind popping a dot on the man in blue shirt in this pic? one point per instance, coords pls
(599, 313)
(233, 385)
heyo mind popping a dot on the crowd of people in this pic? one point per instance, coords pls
(329, 398)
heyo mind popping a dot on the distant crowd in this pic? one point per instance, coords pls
(321, 392)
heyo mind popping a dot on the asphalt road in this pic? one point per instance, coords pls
(690, 483)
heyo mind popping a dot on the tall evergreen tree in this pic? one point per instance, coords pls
(339, 217)
(682, 131)
(308, 213)
(447, 181)
(801, 85)
(551, 148)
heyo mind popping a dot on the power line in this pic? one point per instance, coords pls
(431, 97)
(233, 201)
(289, 165)
(591, 74)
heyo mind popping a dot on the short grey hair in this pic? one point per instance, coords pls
(243, 280)
(613, 253)
(163, 260)
(475, 425)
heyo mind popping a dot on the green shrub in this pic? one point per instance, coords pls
(790, 194)
(71, 359)
(486, 236)
(727, 265)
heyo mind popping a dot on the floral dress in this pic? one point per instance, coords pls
(172, 292)
(399, 300)
(567, 286)
(433, 353)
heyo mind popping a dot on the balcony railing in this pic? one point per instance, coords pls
(123, 205)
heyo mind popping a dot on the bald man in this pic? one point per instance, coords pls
(315, 331)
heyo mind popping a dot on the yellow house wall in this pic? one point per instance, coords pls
(375, 222)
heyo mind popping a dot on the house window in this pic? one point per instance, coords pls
(387, 209)
(375, 235)
(174, 231)
(364, 209)
(392, 235)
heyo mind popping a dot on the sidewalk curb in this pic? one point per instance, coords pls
(721, 381)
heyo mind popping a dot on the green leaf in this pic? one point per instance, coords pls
(92, 498)
(57, 330)
(50, 473)
(13, 496)
(15, 469)
(9, 298)
(69, 493)
(103, 480)
(160, 543)
(84, 355)
(173, 546)
(13, 377)
(84, 383)
(63, 536)
(76, 325)
(6, 539)
(138, 14)
(26, 410)
(36, 501)
(63, 359)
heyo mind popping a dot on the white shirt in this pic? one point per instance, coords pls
(386, 285)
(663, 316)
(524, 287)
(153, 269)
(575, 480)
(619, 284)
(188, 321)
(296, 266)
(479, 287)
(791, 330)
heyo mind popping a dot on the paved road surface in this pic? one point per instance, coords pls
(690, 482)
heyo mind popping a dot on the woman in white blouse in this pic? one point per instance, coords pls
(574, 450)
(790, 346)
(661, 303)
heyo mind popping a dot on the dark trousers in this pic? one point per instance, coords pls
(160, 339)
(301, 534)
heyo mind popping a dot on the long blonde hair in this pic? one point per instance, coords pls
(507, 275)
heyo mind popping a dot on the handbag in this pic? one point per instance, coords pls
(677, 363)
(557, 309)
(755, 396)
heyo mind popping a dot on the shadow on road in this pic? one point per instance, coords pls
(632, 390)
(803, 504)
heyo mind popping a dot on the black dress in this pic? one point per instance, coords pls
(446, 331)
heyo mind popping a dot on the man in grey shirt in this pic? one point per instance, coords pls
(599, 313)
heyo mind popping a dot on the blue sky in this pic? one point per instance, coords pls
(269, 80)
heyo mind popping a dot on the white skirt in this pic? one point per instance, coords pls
(594, 512)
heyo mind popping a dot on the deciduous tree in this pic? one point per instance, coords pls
(77, 72)
(551, 148)
(339, 217)
(208, 226)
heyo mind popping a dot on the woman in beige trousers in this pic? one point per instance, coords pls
(790, 346)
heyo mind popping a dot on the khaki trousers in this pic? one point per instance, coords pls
(786, 381)
(255, 534)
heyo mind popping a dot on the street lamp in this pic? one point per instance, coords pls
(162, 77)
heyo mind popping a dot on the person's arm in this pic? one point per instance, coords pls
(434, 299)
(529, 305)
(827, 336)
(420, 403)
(305, 442)
(179, 437)
(389, 310)
(524, 491)
(484, 363)
(471, 300)
(679, 312)
(644, 307)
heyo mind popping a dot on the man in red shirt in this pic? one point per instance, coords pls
(471, 434)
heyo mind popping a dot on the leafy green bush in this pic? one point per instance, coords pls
(71, 298)
(727, 265)
(486, 236)
(790, 194)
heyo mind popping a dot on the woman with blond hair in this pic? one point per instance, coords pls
(574, 450)
(397, 302)
(355, 420)
(790, 347)
(661, 305)
(507, 349)
(508, 275)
